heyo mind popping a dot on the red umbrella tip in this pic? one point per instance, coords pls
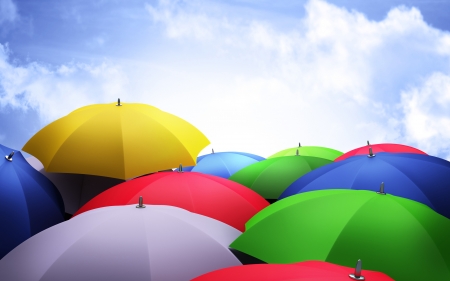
(9, 157)
(141, 203)
(357, 274)
(118, 102)
(370, 153)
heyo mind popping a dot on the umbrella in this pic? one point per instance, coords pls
(211, 196)
(315, 151)
(400, 237)
(302, 271)
(29, 202)
(271, 177)
(223, 164)
(76, 189)
(116, 140)
(381, 147)
(418, 177)
(124, 243)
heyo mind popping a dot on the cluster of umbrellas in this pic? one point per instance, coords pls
(117, 191)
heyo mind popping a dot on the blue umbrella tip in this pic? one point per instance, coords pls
(212, 150)
(357, 275)
(141, 203)
(370, 153)
(9, 157)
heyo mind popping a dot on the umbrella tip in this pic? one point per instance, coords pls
(370, 153)
(368, 143)
(180, 168)
(296, 153)
(118, 102)
(299, 145)
(381, 189)
(141, 203)
(9, 157)
(357, 275)
(212, 150)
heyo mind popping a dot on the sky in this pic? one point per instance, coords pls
(253, 76)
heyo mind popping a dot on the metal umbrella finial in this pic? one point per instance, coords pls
(357, 274)
(118, 102)
(370, 153)
(180, 168)
(296, 153)
(381, 189)
(9, 157)
(141, 203)
(368, 143)
(212, 150)
(299, 145)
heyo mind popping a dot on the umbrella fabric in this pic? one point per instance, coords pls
(29, 202)
(315, 151)
(76, 189)
(381, 147)
(124, 243)
(116, 141)
(211, 196)
(271, 177)
(402, 238)
(223, 164)
(302, 271)
(418, 177)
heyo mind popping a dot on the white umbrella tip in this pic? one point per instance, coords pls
(141, 203)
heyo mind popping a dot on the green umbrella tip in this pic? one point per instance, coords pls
(118, 102)
(9, 157)
(299, 145)
(357, 274)
(180, 168)
(381, 189)
(296, 153)
(141, 203)
(370, 153)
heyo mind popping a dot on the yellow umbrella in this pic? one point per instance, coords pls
(116, 140)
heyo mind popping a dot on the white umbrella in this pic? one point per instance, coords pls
(124, 243)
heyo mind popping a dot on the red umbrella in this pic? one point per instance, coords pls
(302, 271)
(381, 147)
(211, 196)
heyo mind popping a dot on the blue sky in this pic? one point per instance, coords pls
(253, 76)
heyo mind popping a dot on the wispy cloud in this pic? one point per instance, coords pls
(8, 11)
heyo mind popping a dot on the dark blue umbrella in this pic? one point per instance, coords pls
(223, 164)
(423, 178)
(29, 202)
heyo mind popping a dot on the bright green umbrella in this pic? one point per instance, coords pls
(400, 237)
(270, 177)
(315, 151)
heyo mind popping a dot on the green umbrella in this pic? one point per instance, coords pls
(270, 177)
(316, 151)
(400, 237)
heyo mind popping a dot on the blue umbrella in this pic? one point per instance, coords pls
(223, 164)
(29, 202)
(423, 178)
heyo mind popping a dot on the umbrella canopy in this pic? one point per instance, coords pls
(381, 147)
(211, 196)
(400, 237)
(116, 140)
(76, 189)
(271, 177)
(315, 151)
(302, 271)
(29, 202)
(418, 177)
(223, 164)
(124, 243)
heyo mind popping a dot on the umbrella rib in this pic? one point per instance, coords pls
(225, 165)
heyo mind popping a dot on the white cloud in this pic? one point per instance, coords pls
(8, 11)
(56, 91)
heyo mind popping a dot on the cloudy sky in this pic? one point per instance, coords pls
(255, 76)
